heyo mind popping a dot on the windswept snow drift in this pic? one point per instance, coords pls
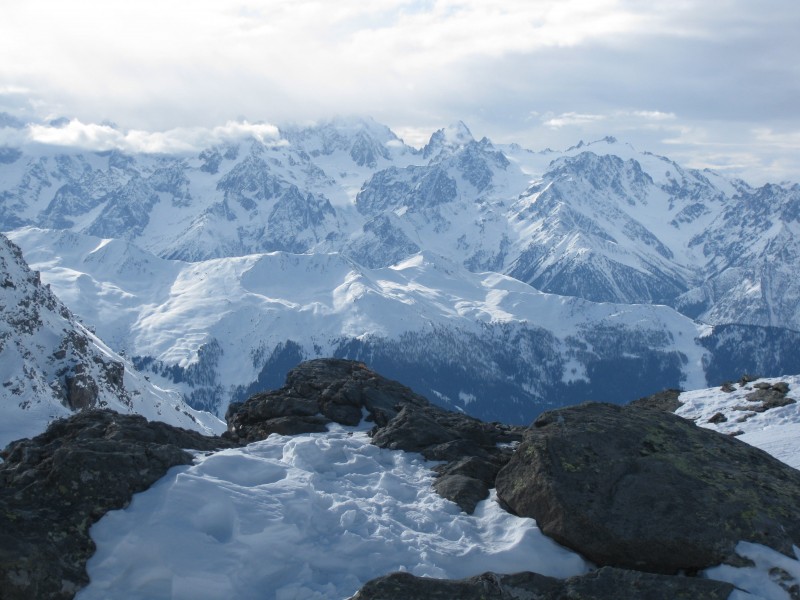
(309, 516)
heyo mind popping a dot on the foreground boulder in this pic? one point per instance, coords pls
(643, 489)
(322, 391)
(55, 486)
(605, 584)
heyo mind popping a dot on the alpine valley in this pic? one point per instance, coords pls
(489, 278)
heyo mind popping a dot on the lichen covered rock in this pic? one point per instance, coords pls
(643, 489)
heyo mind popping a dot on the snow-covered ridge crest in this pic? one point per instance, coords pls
(52, 365)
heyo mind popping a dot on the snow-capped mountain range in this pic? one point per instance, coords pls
(492, 278)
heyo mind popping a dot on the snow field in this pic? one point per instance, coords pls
(305, 517)
(776, 431)
(250, 304)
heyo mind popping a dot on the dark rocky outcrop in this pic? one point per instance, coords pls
(55, 486)
(767, 396)
(647, 490)
(718, 417)
(604, 584)
(632, 488)
(665, 400)
(320, 391)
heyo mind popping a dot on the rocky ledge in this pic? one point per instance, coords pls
(55, 486)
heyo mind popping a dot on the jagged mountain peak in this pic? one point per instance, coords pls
(365, 142)
(458, 134)
(450, 138)
(600, 171)
(627, 226)
(608, 140)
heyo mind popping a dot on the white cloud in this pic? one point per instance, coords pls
(90, 136)
(787, 140)
(13, 90)
(572, 119)
(654, 115)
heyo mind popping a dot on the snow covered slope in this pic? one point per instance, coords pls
(216, 327)
(485, 343)
(51, 365)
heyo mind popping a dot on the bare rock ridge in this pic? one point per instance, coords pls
(605, 583)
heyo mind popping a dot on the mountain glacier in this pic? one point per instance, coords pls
(494, 279)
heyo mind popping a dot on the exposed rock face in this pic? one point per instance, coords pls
(320, 391)
(767, 396)
(648, 490)
(604, 584)
(53, 365)
(55, 486)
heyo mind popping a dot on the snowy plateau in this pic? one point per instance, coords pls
(494, 280)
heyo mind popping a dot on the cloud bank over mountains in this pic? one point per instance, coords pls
(711, 85)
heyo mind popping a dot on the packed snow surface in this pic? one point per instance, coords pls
(776, 431)
(308, 516)
(763, 579)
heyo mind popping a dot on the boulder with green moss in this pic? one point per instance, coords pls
(642, 489)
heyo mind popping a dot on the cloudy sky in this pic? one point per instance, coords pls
(711, 84)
